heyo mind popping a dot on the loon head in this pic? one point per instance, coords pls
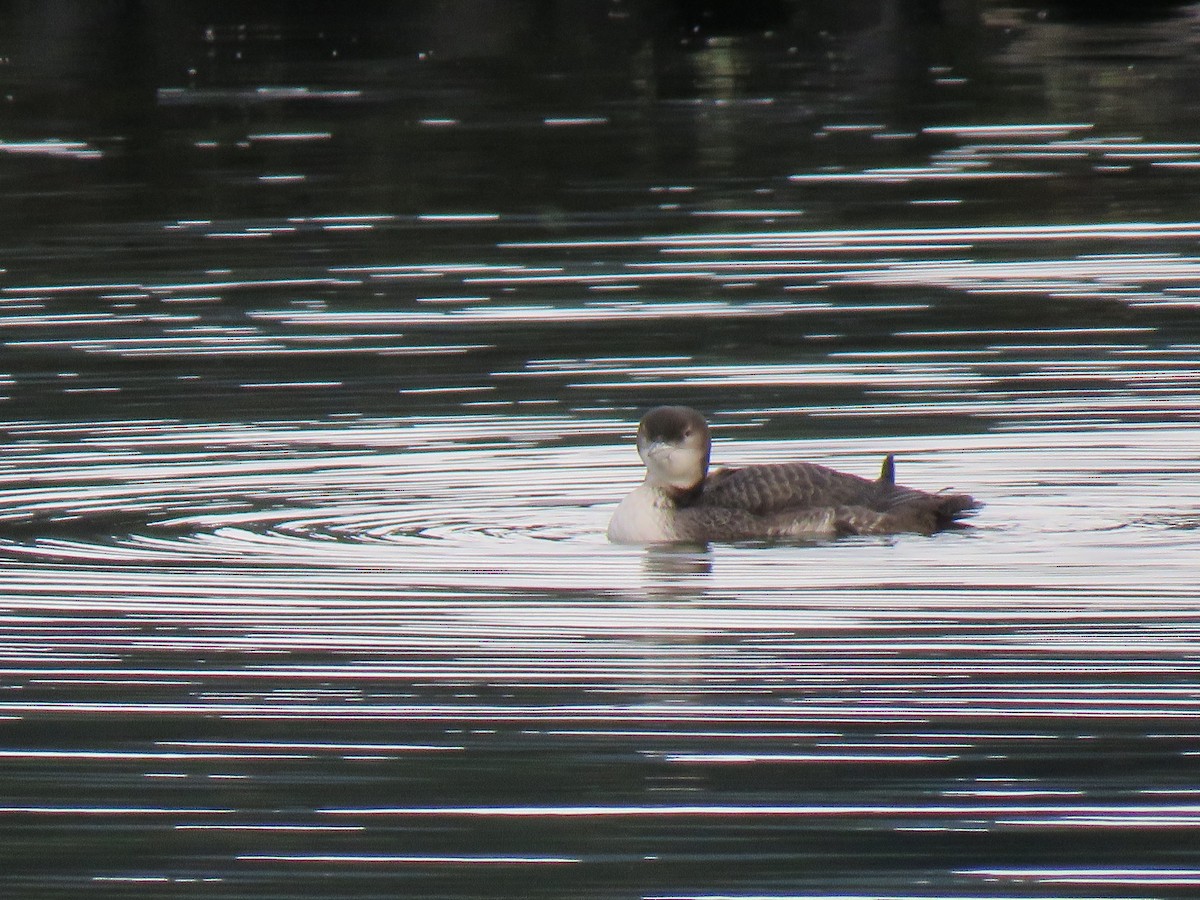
(673, 442)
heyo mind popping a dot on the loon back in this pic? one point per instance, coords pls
(796, 496)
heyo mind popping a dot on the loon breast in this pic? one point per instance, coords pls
(645, 516)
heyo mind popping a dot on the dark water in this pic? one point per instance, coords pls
(324, 336)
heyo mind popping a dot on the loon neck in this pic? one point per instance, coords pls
(678, 495)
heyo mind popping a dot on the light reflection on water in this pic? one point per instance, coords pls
(310, 441)
(408, 608)
(327, 589)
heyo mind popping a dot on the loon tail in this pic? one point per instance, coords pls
(951, 509)
(920, 513)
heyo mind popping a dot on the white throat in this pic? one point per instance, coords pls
(673, 466)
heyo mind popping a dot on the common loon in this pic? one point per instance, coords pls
(681, 501)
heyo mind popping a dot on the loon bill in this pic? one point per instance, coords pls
(681, 501)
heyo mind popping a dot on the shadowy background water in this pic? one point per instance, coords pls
(325, 332)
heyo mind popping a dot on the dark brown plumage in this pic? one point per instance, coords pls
(775, 495)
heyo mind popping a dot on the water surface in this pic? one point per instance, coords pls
(325, 338)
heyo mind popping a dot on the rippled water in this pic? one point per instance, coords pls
(325, 337)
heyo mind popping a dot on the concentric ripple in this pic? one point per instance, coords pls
(162, 485)
(462, 503)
